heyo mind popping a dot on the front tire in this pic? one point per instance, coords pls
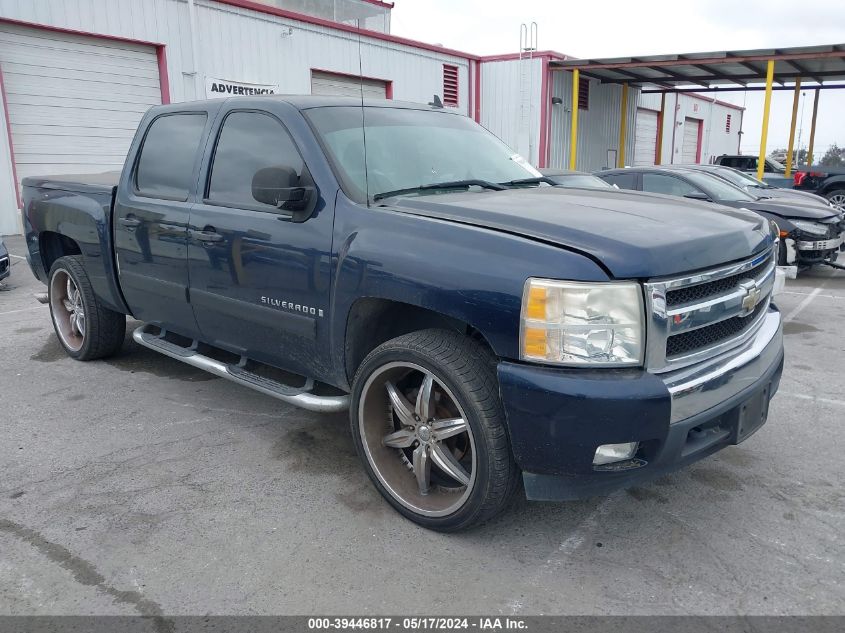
(86, 329)
(429, 425)
(837, 198)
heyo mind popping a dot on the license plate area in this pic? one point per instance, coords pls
(752, 414)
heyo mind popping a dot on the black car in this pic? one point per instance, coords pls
(759, 188)
(5, 261)
(575, 179)
(824, 181)
(811, 234)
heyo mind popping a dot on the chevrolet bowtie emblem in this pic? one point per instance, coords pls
(751, 297)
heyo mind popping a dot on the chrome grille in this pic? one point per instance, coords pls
(708, 335)
(701, 315)
(697, 292)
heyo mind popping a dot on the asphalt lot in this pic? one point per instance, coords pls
(141, 485)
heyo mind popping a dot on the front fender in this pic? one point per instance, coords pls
(461, 271)
(833, 183)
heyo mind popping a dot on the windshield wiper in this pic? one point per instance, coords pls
(529, 181)
(454, 184)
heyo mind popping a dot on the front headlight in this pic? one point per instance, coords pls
(578, 323)
(812, 228)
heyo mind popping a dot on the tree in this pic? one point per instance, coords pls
(834, 157)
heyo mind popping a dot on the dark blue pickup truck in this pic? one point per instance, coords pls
(482, 327)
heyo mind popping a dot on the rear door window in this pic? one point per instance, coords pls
(166, 164)
(663, 183)
(623, 181)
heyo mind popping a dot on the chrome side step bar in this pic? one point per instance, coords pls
(297, 396)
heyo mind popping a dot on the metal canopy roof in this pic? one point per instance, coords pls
(720, 68)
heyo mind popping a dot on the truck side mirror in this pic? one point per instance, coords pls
(281, 187)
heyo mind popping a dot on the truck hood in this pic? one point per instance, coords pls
(633, 235)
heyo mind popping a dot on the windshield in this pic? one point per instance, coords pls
(740, 178)
(584, 181)
(718, 189)
(409, 148)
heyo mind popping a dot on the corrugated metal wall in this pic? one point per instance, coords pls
(233, 44)
(509, 90)
(715, 140)
(244, 45)
(598, 126)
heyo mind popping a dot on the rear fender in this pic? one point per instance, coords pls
(81, 219)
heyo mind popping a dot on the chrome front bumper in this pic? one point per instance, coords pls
(702, 386)
(820, 245)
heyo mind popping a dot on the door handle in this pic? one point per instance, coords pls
(130, 222)
(208, 235)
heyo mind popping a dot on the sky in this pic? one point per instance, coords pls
(610, 28)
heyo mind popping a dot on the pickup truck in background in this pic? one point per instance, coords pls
(773, 171)
(823, 181)
(480, 325)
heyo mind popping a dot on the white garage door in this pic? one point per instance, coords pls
(645, 139)
(689, 149)
(341, 85)
(74, 101)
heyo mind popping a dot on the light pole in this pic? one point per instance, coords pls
(800, 128)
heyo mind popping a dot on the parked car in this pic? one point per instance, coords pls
(575, 179)
(477, 328)
(758, 188)
(811, 234)
(773, 171)
(823, 181)
(5, 261)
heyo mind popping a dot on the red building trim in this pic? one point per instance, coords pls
(388, 83)
(545, 119)
(309, 19)
(18, 198)
(698, 141)
(511, 56)
(163, 79)
(477, 87)
(379, 3)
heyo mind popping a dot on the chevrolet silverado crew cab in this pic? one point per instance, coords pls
(481, 326)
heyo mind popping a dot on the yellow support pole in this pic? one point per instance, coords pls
(658, 157)
(767, 106)
(623, 126)
(791, 145)
(573, 128)
(813, 128)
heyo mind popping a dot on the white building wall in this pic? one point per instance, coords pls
(510, 103)
(715, 141)
(234, 44)
(598, 126)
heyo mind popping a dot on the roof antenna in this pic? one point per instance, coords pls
(436, 103)
(363, 126)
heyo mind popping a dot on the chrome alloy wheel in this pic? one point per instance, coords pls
(838, 200)
(417, 439)
(67, 309)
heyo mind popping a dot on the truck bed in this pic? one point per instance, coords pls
(104, 182)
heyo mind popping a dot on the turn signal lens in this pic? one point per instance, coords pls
(536, 307)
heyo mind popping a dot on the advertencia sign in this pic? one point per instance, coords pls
(225, 88)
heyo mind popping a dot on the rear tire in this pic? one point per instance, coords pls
(86, 329)
(429, 425)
